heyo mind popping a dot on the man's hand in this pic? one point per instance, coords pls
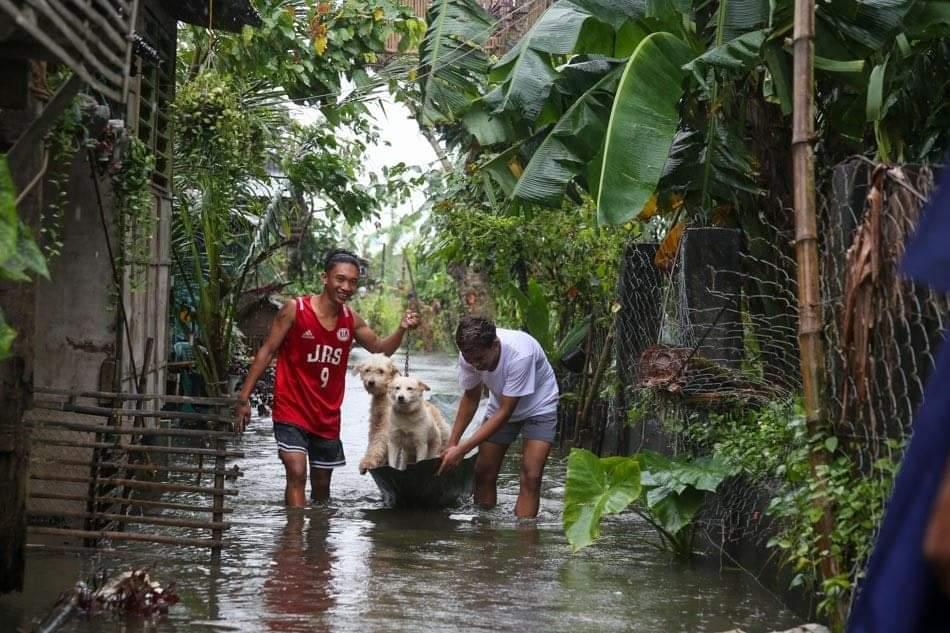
(242, 415)
(410, 320)
(451, 458)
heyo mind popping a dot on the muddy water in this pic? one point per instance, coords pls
(356, 566)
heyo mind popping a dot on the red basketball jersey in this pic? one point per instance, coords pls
(311, 371)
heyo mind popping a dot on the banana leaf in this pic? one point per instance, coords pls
(526, 73)
(571, 144)
(643, 122)
(451, 58)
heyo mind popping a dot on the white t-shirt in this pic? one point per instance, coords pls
(523, 371)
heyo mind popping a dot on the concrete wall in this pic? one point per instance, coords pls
(75, 330)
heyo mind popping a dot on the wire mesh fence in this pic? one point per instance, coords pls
(713, 333)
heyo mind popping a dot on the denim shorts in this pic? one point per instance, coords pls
(542, 427)
(322, 453)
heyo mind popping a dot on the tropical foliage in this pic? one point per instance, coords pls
(20, 256)
(668, 493)
(654, 116)
(257, 192)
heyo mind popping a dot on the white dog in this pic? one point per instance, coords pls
(417, 430)
(376, 372)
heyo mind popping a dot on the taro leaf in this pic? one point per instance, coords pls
(675, 488)
(676, 511)
(642, 125)
(596, 487)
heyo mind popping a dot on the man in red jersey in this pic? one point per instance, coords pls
(312, 336)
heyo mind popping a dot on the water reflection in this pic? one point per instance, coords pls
(298, 590)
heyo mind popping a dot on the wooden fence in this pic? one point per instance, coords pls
(94, 38)
(103, 466)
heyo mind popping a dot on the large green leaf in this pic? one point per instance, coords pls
(452, 61)
(739, 54)
(596, 487)
(7, 334)
(8, 217)
(19, 253)
(868, 23)
(742, 16)
(733, 167)
(536, 313)
(675, 488)
(570, 145)
(642, 125)
(526, 72)
(487, 128)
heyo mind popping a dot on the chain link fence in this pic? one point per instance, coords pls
(714, 332)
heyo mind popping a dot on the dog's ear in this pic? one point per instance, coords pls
(423, 386)
(358, 367)
(393, 372)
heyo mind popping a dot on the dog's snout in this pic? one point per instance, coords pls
(401, 398)
(371, 383)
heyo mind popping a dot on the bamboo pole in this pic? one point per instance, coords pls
(234, 472)
(145, 485)
(142, 448)
(105, 429)
(118, 412)
(142, 503)
(125, 536)
(137, 519)
(811, 348)
(132, 397)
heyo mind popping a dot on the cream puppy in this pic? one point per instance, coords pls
(376, 372)
(417, 429)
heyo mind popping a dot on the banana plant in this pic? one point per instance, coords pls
(452, 59)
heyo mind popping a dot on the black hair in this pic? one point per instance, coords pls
(340, 256)
(474, 333)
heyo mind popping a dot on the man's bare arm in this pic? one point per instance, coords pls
(372, 342)
(466, 411)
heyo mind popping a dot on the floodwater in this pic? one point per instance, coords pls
(355, 566)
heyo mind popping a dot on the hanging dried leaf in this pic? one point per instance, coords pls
(862, 270)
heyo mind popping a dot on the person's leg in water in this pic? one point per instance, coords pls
(534, 454)
(320, 484)
(487, 466)
(295, 467)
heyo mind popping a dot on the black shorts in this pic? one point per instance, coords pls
(323, 453)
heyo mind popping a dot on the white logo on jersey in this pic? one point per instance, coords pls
(308, 334)
(343, 334)
(325, 354)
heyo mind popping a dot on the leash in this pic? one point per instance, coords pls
(413, 297)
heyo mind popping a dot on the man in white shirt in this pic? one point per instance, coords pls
(524, 397)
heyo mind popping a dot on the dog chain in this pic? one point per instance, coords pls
(406, 343)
